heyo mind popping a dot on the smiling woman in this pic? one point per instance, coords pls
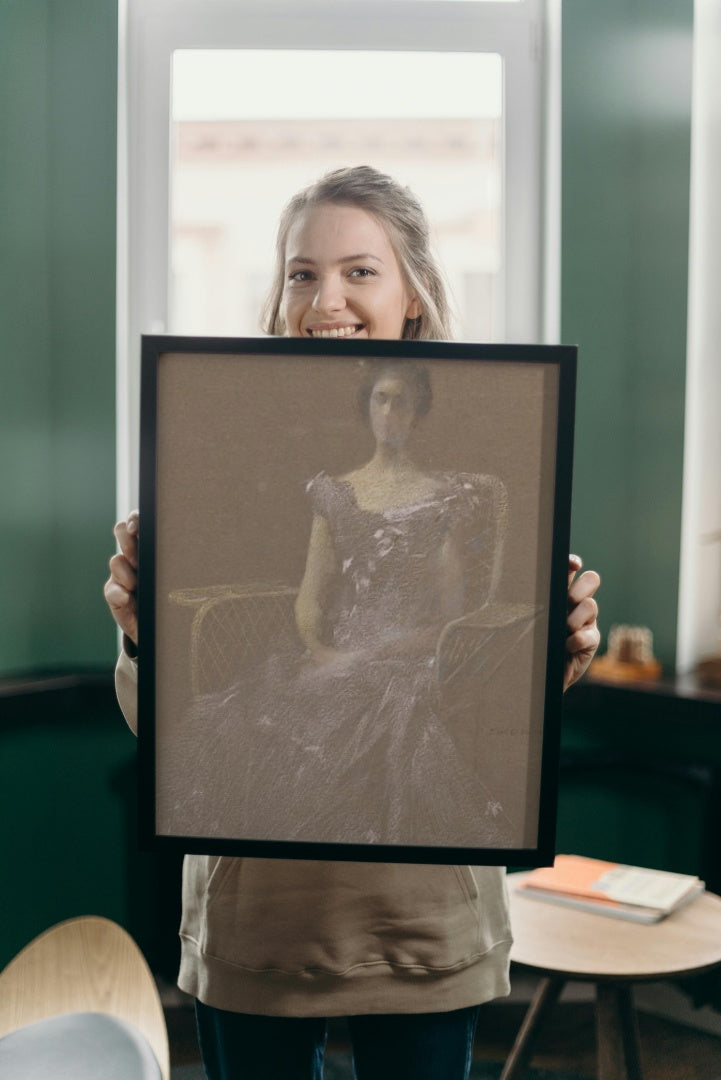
(353, 694)
(353, 259)
(331, 292)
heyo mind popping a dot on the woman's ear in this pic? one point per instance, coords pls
(415, 309)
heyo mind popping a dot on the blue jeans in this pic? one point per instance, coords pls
(414, 1046)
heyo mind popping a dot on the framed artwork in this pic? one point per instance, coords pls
(352, 597)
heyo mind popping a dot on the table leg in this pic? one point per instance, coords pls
(617, 1033)
(545, 997)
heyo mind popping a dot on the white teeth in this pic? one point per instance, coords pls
(335, 332)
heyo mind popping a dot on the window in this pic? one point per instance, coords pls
(227, 107)
(236, 161)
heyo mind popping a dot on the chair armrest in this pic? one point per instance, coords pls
(493, 616)
(464, 644)
(207, 594)
(231, 622)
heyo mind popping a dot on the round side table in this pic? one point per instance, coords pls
(563, 944)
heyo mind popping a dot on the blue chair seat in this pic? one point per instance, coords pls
(78, 1046)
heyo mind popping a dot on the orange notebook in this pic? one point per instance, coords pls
(631, 892)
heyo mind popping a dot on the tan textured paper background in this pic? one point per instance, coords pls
(238, 440)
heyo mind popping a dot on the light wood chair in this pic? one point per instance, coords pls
(87, 965)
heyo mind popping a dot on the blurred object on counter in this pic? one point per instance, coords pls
(629, 657)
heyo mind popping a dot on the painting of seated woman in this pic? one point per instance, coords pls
(377, 684)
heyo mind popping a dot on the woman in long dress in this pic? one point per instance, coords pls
(339, 738)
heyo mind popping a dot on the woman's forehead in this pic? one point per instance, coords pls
(391, 383)
(331, 230)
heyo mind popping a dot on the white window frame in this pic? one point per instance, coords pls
(526, 34)
(699, 597)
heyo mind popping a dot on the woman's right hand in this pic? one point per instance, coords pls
(122, 585)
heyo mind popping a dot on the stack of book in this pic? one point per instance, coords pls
(608, 888)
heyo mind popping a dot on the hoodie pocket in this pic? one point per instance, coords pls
(295, 916)
(469, 886)
(203, 876)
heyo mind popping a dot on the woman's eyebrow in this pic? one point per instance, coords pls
(361, 257)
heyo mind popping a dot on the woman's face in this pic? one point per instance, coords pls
(392, 411)
(342, 277)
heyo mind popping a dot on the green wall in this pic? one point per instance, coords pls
(58, 72)
(626, 145)
(67, 759)
(69, 807)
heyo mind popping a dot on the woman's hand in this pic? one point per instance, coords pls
(583, 636)
(122, 585)
(335, 661)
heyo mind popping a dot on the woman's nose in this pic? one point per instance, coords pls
(329, 295)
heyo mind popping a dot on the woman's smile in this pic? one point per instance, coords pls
(335, 331)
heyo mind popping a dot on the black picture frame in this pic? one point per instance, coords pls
(234, 432)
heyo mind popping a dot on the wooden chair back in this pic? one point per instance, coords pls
(87, 964)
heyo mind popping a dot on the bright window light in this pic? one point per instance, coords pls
(251, 127)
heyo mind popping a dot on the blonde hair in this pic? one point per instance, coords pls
(403, 217)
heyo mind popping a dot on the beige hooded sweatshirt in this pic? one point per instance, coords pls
(285, 937)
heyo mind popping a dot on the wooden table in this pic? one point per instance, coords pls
(563, 944)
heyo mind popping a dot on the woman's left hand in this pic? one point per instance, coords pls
(583, 636)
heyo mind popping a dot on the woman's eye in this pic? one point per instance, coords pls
(362, 272)
(299, 276)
